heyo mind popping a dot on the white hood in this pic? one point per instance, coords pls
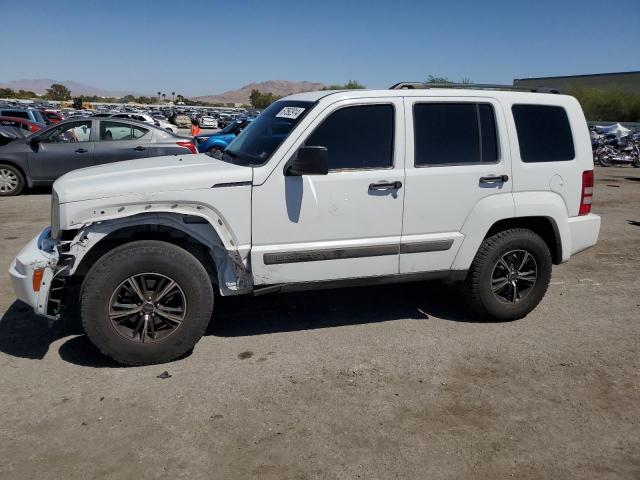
(155, 174)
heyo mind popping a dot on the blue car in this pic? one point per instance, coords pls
(215, 143)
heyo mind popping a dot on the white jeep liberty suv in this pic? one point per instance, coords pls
(484, 185)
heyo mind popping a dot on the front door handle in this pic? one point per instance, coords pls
(385, 186)
(495, 179)
(82, 150)
(139, 149)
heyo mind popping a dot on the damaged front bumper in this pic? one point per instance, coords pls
(35, 275)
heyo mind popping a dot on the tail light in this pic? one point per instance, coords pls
(587, 192)
(189, 146)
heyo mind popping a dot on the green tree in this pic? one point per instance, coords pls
(436, 79)
(261, 100)
(350, 85)
(58, 92)
(607, 105)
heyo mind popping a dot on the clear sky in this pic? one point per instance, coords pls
(198, 47)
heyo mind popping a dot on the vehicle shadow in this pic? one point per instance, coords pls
(26, 335)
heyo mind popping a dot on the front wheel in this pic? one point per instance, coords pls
(509, 275)
(146, 302)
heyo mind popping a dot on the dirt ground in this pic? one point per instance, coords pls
(388, 382)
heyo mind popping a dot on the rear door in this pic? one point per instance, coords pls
(457, 155)
(119, 140)
(59, 150)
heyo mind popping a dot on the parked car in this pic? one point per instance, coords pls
(206, 121)
(50, 153)
(21, 123)
(52, 116)
(30, 114)
(143, 117)
(181, 121)
(488, 188)
(213, 144)
(9, 134)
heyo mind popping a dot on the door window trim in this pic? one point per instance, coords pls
(499, 156)
(57, 125)
(365, 169)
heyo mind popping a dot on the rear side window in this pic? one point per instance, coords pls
(358, 137)
(544, 133)
(110, 131)
(454, 134)
(17, 114)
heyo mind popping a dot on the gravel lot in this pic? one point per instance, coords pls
(387, 382)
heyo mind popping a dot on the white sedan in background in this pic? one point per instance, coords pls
(206, 121)
(143, 117)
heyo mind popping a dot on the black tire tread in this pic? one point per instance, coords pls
(124, 253)
(473, 282)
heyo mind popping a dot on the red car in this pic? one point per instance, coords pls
(21, 123)
(52, 116)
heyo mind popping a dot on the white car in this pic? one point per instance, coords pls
(143, 117)
(484, 187)
(208, 122)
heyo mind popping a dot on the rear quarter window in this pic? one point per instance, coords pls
(544, 133)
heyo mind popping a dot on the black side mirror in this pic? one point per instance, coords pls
(309, 161)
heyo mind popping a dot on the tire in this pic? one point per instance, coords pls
(604, 160)
(487, 269)
(11, 180)
(636, 162)
(106, 292)
(215, 151)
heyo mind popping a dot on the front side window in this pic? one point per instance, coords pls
(120, 131)
(454, 134)
(266, 133)
(68, 133)
(358, 137)
(544, 133)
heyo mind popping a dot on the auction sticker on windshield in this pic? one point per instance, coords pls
(290, 112)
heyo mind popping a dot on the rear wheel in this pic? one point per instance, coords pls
(11, 181)
(509, 275)
(604, 159)
(146, 302)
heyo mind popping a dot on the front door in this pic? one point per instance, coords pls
(458, 157)
(347, 223)
(118, 141)
(61, 149)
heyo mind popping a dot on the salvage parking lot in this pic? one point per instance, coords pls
(379, 382)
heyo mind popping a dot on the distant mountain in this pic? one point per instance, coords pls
(40, 85)
(277, 87)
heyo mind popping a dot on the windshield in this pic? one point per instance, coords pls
(262, 136)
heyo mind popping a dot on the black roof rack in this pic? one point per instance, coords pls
(471, 86)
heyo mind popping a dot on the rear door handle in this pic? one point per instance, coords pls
(385, 186)
(139, 149)
(494, 179)
(82, 150)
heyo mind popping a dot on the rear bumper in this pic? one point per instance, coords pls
(584, 232)
(39, 253)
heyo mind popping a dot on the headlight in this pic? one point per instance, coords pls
(55, 215)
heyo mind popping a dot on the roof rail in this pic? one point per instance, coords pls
(472, 86)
